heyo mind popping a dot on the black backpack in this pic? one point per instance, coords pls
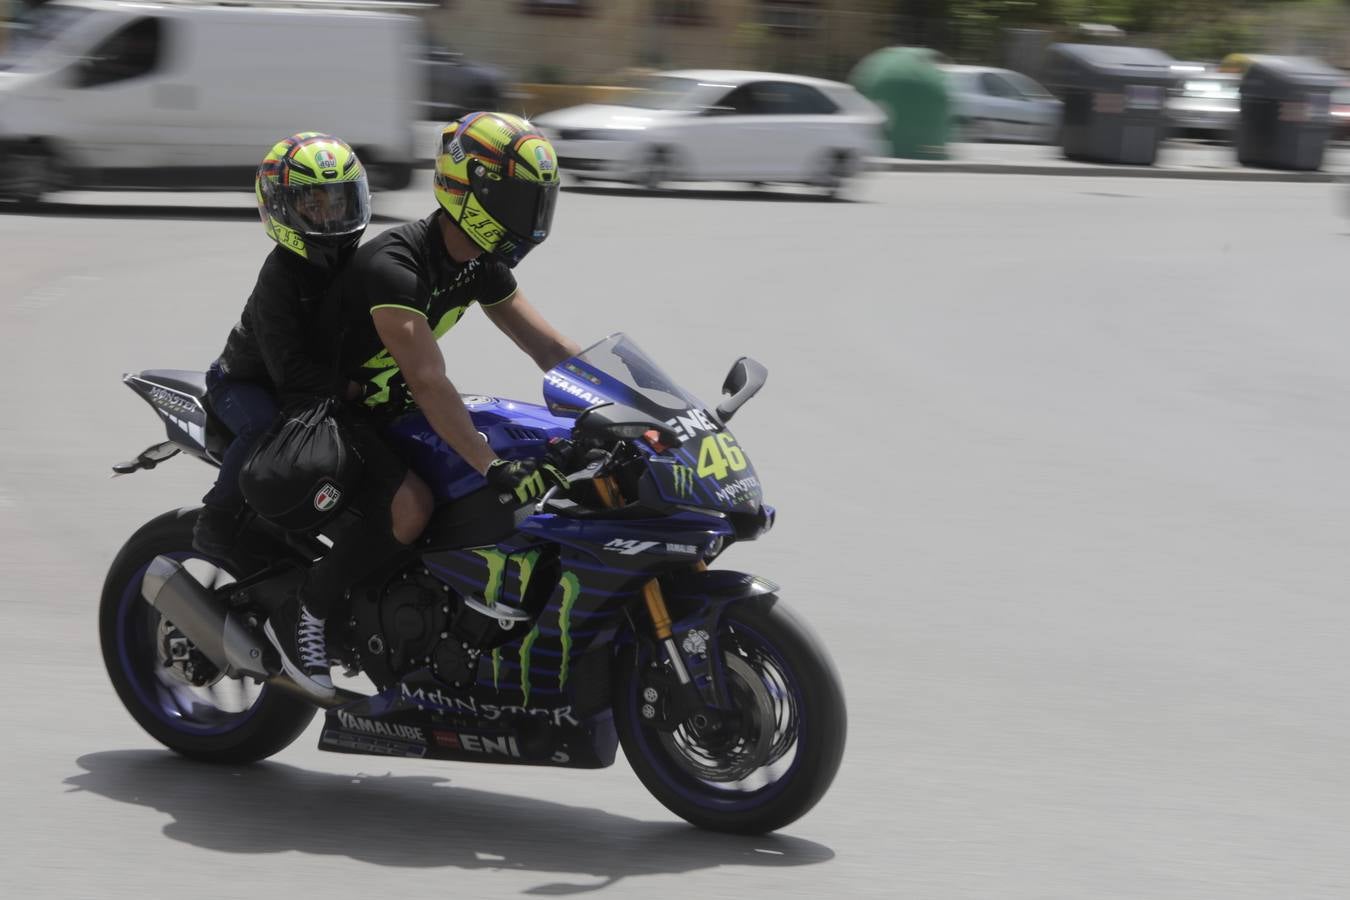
(304, 470)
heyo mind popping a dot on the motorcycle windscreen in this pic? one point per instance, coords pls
(709, 470)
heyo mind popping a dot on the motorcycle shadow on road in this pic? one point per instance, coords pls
(415, 821)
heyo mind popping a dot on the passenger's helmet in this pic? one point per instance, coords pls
(313, 197)
(497, 179)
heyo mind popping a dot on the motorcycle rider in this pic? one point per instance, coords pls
(496, 185)
(314, 202)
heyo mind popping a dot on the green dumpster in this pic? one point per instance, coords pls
(907, 83)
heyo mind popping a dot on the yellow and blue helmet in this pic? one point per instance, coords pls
(497, 179)
(313, 197)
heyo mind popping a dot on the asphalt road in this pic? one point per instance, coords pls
(1060, 466)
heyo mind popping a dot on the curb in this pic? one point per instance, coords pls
(1068, 167)
(1082, 170)
(1099, 171)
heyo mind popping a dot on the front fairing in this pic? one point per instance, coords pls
(709, 470)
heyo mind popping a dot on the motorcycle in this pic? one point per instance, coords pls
(543, 634)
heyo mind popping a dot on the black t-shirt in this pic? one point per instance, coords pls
(407, 267)
(286, 334)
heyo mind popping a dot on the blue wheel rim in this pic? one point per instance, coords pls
(703, 793)
(135, 620)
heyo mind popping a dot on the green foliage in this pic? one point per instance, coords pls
(1200, 29)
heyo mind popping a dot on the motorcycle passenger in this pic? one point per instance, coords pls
(314, 202)
(496, 184)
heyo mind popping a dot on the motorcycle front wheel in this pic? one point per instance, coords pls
(778, 755)
(170, 689)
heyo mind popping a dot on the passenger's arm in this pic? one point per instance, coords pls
(288, 353)
(409, 340)
(522, 323)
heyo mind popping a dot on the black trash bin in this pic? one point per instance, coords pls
(1113, 101)
(1284, 112)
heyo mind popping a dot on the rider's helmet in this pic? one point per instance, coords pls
(313, 197)
(497, 179)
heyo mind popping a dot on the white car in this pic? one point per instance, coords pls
(721, 126)
(1000, 105)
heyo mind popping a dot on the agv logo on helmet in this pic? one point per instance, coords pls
(313, 197)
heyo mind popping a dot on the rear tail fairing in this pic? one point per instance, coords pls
(179, 396)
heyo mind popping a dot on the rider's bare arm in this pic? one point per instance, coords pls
(522, 323)
(409, 340)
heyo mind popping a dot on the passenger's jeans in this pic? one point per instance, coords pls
(247, 409)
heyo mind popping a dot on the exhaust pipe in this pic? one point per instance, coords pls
(172, 590)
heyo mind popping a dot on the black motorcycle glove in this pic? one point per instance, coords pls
(525, 478)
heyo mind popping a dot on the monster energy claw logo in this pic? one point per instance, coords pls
(571, 586)
(684, 480)
(531, 486)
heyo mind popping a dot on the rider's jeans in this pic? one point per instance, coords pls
(247, 409)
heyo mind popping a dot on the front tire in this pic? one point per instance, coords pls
(384, 176)
(792, 719)
(655, 172)
(226, 720)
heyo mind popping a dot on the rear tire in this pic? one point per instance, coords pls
(178, 716)
(31, 172)
(804, 732)
(841, 168)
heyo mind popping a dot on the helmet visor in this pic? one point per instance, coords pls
(523, 208)
(329, 209)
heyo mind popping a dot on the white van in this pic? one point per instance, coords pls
(108, 94)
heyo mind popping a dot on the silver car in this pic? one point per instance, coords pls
(1000, 105)
(717, 125)
(1203, 101)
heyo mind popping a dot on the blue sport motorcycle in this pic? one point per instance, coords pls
(547, 634)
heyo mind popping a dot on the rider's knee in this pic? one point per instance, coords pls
(411, 509)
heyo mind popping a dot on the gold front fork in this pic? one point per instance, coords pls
(608, 490)
(656, 608)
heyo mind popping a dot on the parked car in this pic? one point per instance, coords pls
(1000, 105)
(455, 85)
(1204, 101)
(109, 94)
(721, 126)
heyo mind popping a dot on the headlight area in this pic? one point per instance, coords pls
(749, 526)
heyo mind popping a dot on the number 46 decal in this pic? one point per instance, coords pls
(717, 454)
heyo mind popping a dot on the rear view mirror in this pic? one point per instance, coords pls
(743, 382)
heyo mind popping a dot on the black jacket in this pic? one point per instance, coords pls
(288, 334)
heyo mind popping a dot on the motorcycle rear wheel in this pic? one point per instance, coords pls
(188, 710)
(785, 749)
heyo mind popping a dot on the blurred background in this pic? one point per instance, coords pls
(100, 94)
(1056, 421)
